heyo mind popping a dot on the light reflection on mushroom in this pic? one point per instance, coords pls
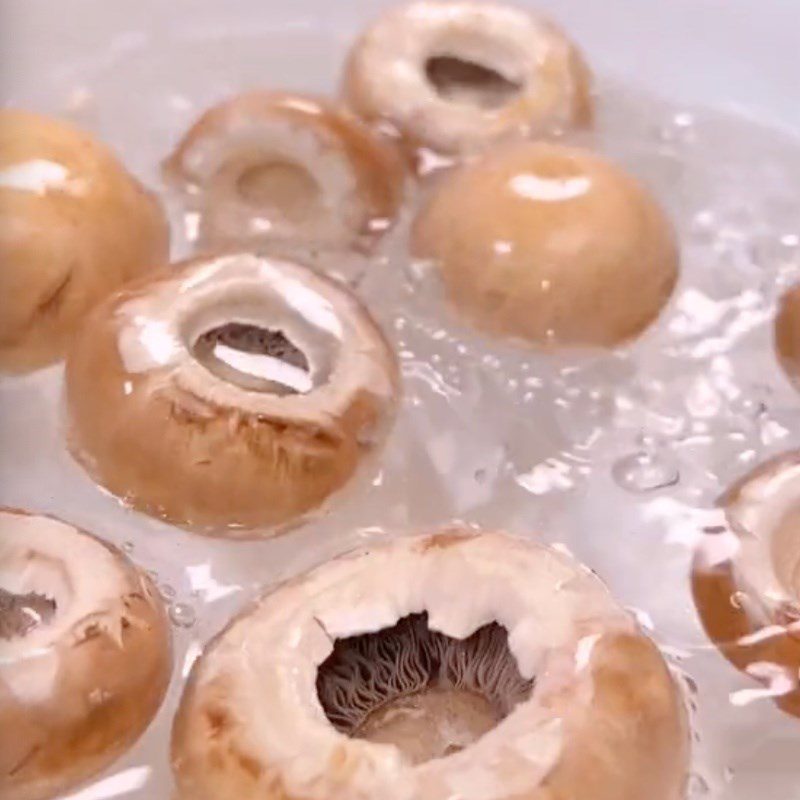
(551, 245)
(376, 676)
(75, 225)
(287, 170)
(85, 655)
(232, 446)
(456, 77)
(746, 580)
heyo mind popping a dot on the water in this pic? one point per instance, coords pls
(616, 456)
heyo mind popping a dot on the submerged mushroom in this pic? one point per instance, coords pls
(233, 395)
(464, 665)
(746, 581)
(288, 169)
(74, 226)
(551, 245)
(787, 334)
(456, 76)
(84, 655)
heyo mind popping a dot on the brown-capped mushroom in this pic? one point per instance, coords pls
(233, 395)
(747, 589)
(458, 75)
(376, 676)
(288, 169)
(85, 655)
(787, 334)
(551, 245)
(74, 226)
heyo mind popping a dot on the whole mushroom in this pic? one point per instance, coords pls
(75, 225)
(85, 655)
(233, 395)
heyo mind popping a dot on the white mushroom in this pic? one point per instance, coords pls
(746, 582)
(74, 226)
(458, 75)
(286, 169)
(452, 665)
(84, 655)
(233, 395)
(551, 245)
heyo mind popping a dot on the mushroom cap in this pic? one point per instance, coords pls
(78, 688)
(763, 511)
(545, 84)
(787, 335)
(550, 244)
(74, 226)
(286, 168)
(204, 449)
(746, 586)
(604, 718)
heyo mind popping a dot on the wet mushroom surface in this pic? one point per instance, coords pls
(234, 395)
(458, 76)
(75, 226)
(747, 589)
(617, 455)
(293, 171)
(85, 655)
(422, 703)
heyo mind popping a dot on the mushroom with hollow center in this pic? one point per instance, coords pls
(233, 395)
(290, 169)
(85, 655)
(458, 76)
(550, 244)
(747, 585)
(475, 666)
(74, 226)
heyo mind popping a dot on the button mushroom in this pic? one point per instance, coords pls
(746, 582)
(456, 76)
(550, 245)
(84, 655)
(464, 665)
(74, 226)
(286, 169)
(233, 395)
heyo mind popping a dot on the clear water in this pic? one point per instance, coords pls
(617, 456)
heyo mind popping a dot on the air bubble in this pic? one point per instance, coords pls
(645, 472)
(182, 615)
(749, 406)
(680, 130)
(127, 547)
(166, 591)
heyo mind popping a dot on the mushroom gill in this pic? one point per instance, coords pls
(427, 693)
(21, 613)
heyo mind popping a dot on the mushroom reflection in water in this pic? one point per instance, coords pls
(84, 655)
(458, 664)
(232, 395)
(746, 579)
